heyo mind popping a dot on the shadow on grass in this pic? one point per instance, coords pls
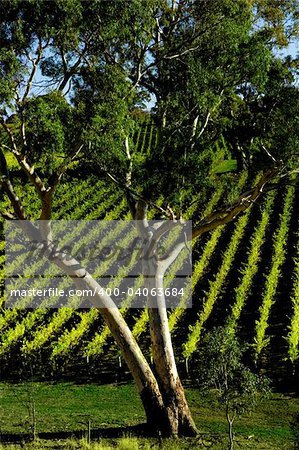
(206, 440)
(141, 430)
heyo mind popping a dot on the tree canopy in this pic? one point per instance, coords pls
(76, 72)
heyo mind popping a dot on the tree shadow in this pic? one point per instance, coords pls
(140, 430)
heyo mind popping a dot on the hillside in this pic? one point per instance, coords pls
(245, 276)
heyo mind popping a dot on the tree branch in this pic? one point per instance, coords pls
(7, 215)
(226, 215)
(9, 190)
(35, 62)
(21, 158)
(166, 261)
(132, 193)
(130, 163)
(69, 72)
(62, 169)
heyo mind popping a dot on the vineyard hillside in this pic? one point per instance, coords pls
(245, 277)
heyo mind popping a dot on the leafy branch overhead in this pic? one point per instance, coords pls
(80, 74)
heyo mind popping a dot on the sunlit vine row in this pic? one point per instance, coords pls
(293, 335)
(251, 266)
(278, 258)
(189, 347)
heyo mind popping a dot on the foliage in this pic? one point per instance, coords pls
(50, 130)
(221, 368)
(266, 120)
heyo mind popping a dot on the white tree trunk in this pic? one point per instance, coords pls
(159, 411)
(163, 355)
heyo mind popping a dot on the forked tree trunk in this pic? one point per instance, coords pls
(164, 403)
(181, 422)
(162, 395)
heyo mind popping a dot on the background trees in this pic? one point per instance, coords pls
(208, 67)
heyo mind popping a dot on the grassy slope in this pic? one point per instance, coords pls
(68, 407)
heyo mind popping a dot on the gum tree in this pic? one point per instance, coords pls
(76, 73)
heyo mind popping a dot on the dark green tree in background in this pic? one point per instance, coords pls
(75, 76)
